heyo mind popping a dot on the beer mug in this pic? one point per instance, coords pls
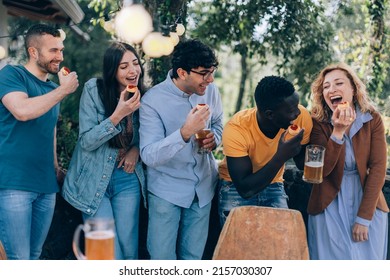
(99, 240)
(314, 164)
(200, 136)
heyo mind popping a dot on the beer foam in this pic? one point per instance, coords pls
(314, 164)
(103, 234)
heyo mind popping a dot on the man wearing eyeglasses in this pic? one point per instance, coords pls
(181, 182)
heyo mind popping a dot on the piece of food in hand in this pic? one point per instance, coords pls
(343, 105)
(199, 106)
(292, 131)
(65, 71)
(131, 88)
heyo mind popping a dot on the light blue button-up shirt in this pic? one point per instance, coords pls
(361, 119)
(175, 171)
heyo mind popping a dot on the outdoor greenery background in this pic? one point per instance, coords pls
(252, 38)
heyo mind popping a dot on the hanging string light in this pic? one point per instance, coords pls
(3, 53)
(180, 29)
(157, 44)
(133, 24)
(152, 45)
(109, 26)
(62, 34)
(174, 38)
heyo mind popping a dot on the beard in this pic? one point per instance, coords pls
(46, 66)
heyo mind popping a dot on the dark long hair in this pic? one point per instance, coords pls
(108, 86)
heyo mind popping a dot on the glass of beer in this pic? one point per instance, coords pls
(200, 136)
(314, 164)
(99, 237)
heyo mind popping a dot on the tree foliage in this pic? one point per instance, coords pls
(298, 38)
(164, 14)
(363, 41)
(295, 32)
(379, 48)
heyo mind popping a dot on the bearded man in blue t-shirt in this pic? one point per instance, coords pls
(29, 110)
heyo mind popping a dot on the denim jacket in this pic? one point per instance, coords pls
(93, 160)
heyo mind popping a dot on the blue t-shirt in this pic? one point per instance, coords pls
(26, 147)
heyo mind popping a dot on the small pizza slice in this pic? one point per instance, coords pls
(343, 105)
(292, 131)
(200, 105)
(65, 70)
(131, 88)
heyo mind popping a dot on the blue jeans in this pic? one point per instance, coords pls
(273, 195)
(25, 219)
(121, 202)
(175, 232)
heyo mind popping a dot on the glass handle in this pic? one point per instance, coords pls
(75, 244)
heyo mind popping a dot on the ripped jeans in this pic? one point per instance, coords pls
(273, 195)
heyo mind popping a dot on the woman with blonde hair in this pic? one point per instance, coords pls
(347, 211)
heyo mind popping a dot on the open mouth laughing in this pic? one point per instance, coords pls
(335, 100)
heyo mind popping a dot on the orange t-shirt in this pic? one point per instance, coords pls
(242, 137)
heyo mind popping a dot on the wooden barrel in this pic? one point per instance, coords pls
(262, 233)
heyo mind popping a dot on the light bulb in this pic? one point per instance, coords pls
(167, 45)
(109, 26)
(180, 29)
(62, 34)
(2, 52)
(133, 23)
(151, 45)
(174, 38)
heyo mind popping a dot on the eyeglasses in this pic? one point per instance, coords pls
(206, 74)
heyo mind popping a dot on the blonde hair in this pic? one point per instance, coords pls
(320, 110)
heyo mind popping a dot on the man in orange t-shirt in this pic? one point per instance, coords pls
(255, 149)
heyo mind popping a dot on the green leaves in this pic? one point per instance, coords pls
(295, 33)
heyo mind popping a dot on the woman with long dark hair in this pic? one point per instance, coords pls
(105, 175)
